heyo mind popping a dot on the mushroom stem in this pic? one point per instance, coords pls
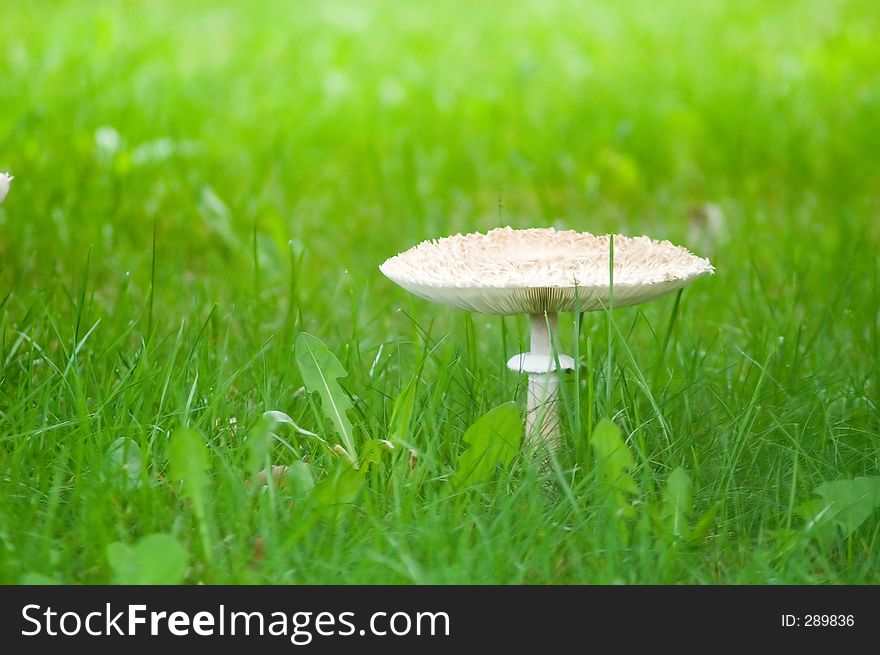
(544, 332)
(542, 415)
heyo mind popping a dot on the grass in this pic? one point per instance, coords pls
(195, 186)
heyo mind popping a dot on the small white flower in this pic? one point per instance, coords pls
(5, 181)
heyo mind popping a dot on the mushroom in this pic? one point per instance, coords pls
(5, 182)
(541, 272)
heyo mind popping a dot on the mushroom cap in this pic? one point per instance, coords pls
(507, 271)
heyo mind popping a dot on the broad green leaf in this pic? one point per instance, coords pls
(820, 525)
(300, 479)
(320, 369)
(334, 496)
(401, 416)
(188, 456)
(259, 442)
(120, 559)
(494, 439)
(189, 459)
(335, 493)
(124, 458)
(677, 501)
(374, 451)
(278, 417)
(613, 457)
(845, 504)
(704, 524)
(155, 559)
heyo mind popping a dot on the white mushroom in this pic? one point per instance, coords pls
(541, 272)
(5, 182)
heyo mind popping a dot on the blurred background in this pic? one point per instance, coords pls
(351, 130)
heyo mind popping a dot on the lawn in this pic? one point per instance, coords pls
(196, 187)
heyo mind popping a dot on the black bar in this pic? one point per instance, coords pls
(684, 619)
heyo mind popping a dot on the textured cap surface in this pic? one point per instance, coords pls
(507, 271)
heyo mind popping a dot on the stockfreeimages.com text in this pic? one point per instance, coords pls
(300, 627)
